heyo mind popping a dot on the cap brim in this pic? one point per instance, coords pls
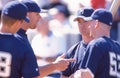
(84, 18)
(44, 11)
(78, 17)
(88, 18)
(27, 19)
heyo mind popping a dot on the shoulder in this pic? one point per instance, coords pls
(99, 46)
(117, 45)
(72, 50)
(75, 46)
(102, 41)
(8, 39)
(116, 42)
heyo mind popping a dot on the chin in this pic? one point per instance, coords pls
(33, 27)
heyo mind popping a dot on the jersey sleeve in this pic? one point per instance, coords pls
(70, 54)
(30, 68)
(93, 57)
(68, 71)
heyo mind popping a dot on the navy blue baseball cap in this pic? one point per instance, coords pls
(33, 6)
(16, 10)
(84, 12)
(63, 9)
(101, 15)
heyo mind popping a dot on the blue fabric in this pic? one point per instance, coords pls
(77, 51)
(32, 6)
(55, 75)
(23, 62)
(16, 10)
(86, 12)
(63, 9)
(103, 16)
(102, 57)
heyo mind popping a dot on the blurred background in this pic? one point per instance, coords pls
(56, 32)
(61, 14)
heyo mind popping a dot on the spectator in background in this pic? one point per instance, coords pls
(61, 24)
(61, 14)
(47, 45)
(53, 3)
(98, 4)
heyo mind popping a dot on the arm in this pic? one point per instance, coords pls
(47, 69)
(59, 64)
(48, 59)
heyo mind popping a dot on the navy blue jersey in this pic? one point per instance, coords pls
(16, 60)
(77, 51)
(103, 58)
(23, 35)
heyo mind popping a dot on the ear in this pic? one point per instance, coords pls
(17, 23)
(97, 24)
(28, 14)
(15, 26)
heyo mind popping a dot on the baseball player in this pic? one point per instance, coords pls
(16, 60)
(102, 55)
(33, 13)
(77, 51)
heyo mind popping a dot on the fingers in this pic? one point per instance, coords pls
(62, 64)
(70, 60)
(62, 56)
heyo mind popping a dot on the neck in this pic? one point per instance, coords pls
(102, 34)
(102, 30)
(86, 39)
(6, 29)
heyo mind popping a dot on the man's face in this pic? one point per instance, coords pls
(83, 27)
(34, 18)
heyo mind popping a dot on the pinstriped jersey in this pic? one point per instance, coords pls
(103, 58)
(16, 60)
(77, 51)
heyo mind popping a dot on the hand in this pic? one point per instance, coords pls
(77, 74)
(61, 63)
(83, 73)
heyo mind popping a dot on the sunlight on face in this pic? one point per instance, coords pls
(34, 18)
(83, 26)
(92, 28)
